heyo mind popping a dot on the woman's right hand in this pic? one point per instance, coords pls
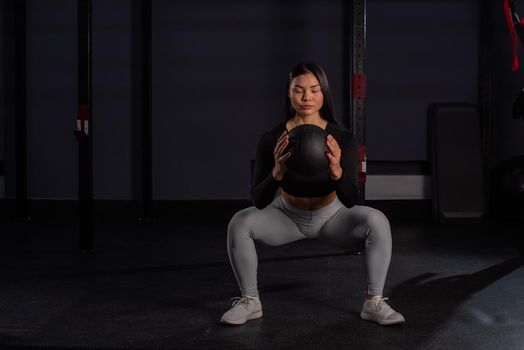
(280, 159)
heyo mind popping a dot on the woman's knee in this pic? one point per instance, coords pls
(241, 223)
(378, 222)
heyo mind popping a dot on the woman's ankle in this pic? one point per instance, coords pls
(371, 296)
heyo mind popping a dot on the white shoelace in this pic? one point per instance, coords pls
(381, 303)
(238, 300)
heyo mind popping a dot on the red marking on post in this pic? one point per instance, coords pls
(82, 120)
(82, 112)
(362, 164)
(359, 86)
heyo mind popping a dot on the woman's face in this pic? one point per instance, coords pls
(306, 95)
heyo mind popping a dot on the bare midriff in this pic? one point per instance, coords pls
(309, 203)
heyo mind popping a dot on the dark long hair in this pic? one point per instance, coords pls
(304, 67)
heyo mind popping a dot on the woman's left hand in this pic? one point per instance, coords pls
(334, 158)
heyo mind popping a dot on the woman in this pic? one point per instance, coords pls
(323, 210)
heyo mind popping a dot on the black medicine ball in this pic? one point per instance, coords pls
(307, 143)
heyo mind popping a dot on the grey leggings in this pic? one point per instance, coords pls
(280, 223)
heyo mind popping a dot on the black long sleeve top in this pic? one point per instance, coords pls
(265, 186)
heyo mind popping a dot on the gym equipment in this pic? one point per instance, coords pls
(516, 29)
(456, 161)
(518, 106)
(307, 144)
(84, 125)
(507, 188)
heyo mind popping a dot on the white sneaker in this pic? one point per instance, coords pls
(379, 311)
(243, 310)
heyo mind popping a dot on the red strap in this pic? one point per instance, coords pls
(511, 26)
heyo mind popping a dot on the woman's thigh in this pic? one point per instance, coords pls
(270, 226)
(348, 227)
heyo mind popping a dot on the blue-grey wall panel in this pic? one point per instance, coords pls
(219, 71)
(418, 52)
(8, 102)
(51, 98)
(112, 86)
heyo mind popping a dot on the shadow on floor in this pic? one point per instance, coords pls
(429, 303)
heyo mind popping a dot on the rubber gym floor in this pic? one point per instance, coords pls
(164, 285)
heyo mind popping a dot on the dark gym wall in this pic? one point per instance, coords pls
(508, 133)
(218, 83)
(418, 52)
(219, 73)
(112, 99)
(7, 98)
(51, 98)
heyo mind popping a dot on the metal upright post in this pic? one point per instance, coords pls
(141, 115)
(358, 85)
(485, 92)
(84, 128)
(147, 147)
(20, 108)
(347, 69)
